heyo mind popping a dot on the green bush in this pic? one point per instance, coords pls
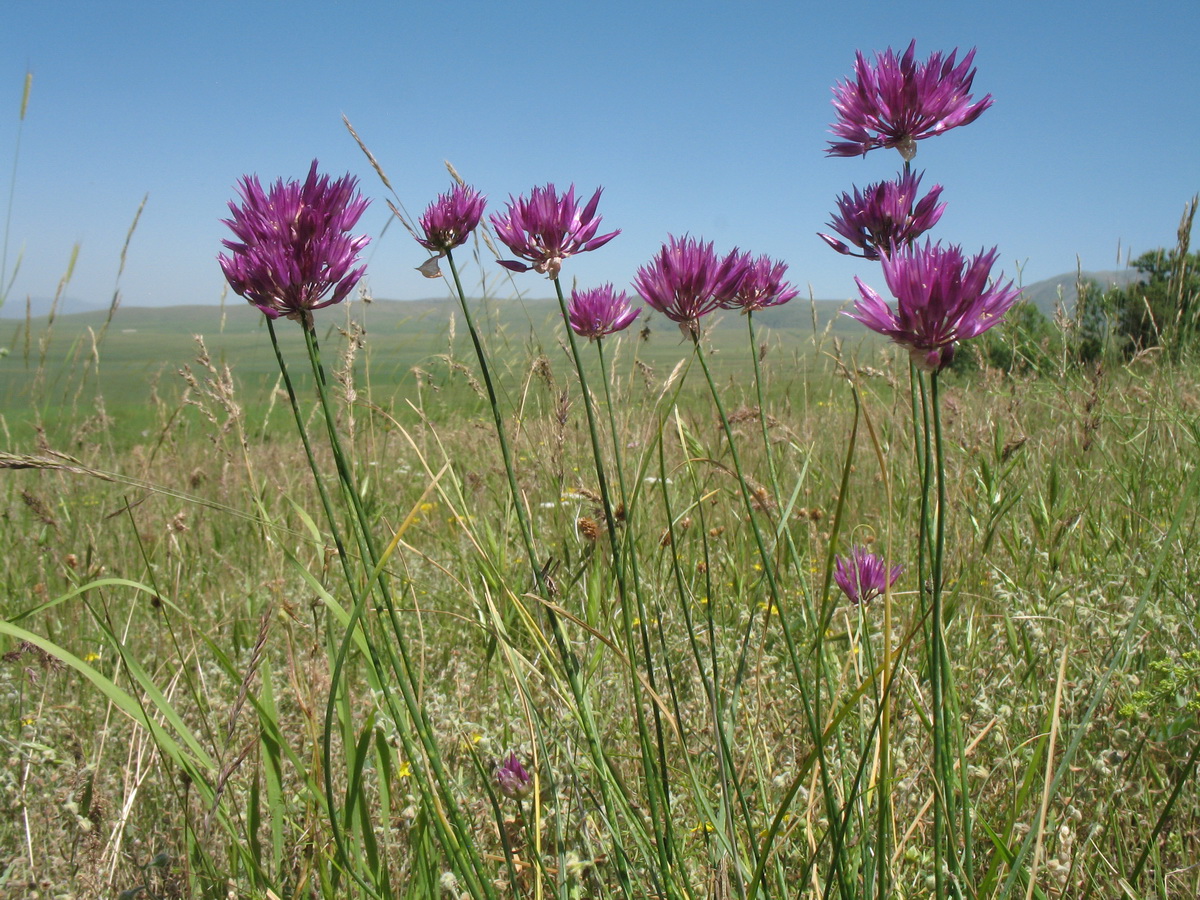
(1024, 342)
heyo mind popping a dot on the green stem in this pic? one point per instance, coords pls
(768, 565)
(326, 503)
(782, 530)
(501, 433)
(623, 593)
(351, 584)
(747, 500)
(609, 777)
(597, 452)
(941, 678)
(931, 592)
(811, 615)
(455, 836)
(664, 783)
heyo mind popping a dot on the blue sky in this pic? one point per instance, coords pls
(701, 117)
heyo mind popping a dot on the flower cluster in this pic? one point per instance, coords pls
(512, 778)
(447, 223)
(863, 575)
(687, 280)
(884, 215)
(545, 229)
(600, 311)
(762, 286)
(942, 298)
(451, 218)
(897, 102)
(293, 252)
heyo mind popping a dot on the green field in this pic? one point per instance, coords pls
(174, 616)
(406, 341)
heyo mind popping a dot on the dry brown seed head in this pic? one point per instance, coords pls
(588, 528)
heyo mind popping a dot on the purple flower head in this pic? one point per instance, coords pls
(687, 280)
(941, 299)
(293, 252)
(546, 229)
(863, 575)
(897, 102)
(600, 311)
(763, 286)
(451, 218)
(884, 214)
(512, 780)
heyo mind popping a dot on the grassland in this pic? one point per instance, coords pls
(174, 611)
(407, 342)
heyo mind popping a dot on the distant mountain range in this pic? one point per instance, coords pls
(430, 315)
(1047, 295)
(1050, 294)
(39, 307)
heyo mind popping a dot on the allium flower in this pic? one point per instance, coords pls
(884, 214)
(897, 102)
(763, 286)
(600, 311)
(512, 780)
(941, 299)
(451, 218)
(293, 253)
(687, 280)
(863, 576)
(546, 229)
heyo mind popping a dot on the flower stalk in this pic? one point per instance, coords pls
(294, 254)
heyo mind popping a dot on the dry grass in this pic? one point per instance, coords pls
(1062, 491)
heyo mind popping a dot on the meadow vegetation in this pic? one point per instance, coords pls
(173, 615)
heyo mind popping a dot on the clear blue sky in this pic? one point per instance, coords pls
(701, 117)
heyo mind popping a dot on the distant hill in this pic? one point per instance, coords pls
(533, 314)
(39, 307)
(429, 317)
(1051, 293)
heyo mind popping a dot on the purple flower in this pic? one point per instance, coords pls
(451, 218)
(512, 780)
(884, 214)
(863, 576)
(763, 286)
(600, 311)
(293, 253)
(897, 102)
(688, 280)
(546, 229)
(941, 299)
